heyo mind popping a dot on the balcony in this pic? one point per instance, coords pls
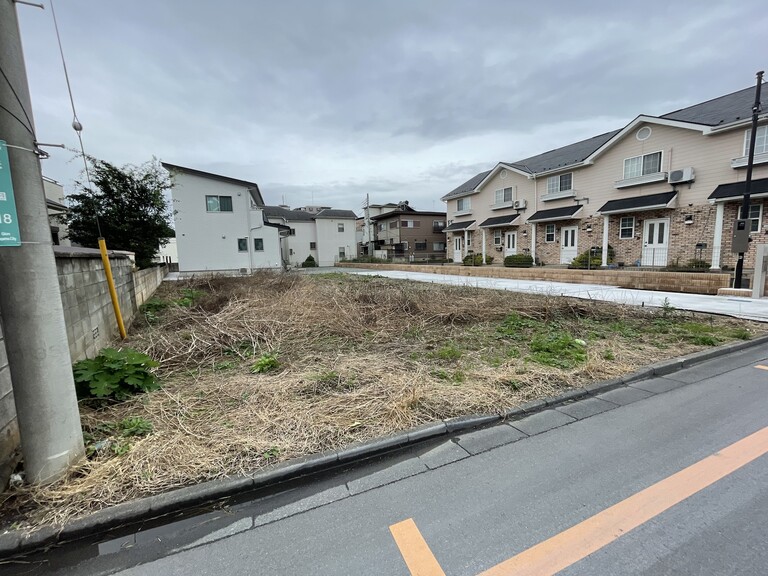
(502, 205)
(558, 195)
(644, 179)
(743, 161)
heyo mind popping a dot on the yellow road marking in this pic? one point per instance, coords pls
(416, 553)
(761, 367)
(581, 540)
(576, 543)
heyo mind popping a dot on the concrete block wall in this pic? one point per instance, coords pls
(146, 282)
(9, 428)
(692, 283)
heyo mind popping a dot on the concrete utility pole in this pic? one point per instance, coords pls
(30, 301)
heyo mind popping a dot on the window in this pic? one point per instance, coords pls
(421, 246)
(313, 245)
(242, 244)
(642, 165)
(497, 237)
(755, 217)
(292, 232)
(438, 246)
(627, 227)
(410, 224)
(382, 227)
(258, 244)
(463, 204)
(505, 195)
(761, 142)
(560, 183)
(218, 203)
(469, 239)
(549, 233)
(341, 227)
(393, 224)
(438, 225)
(342, 252)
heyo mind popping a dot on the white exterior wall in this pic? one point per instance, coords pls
(329, 240)
(207, 241)
(306, 233)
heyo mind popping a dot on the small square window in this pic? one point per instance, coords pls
(627, 227)
(463, 204)
(549, 233)
(497, 237)
(341, 227)
(342, 252)
(313, 245)
(242, 244)
(218, 203)
(292, 232)
(258, 244)
(421, 246)
(761, 141)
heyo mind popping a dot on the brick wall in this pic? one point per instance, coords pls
(693, 283)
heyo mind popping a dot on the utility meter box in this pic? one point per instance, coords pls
(740, 239)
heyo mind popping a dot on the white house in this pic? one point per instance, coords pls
(328, 235)
(220, 224)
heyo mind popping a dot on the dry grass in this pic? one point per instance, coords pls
(359, 357)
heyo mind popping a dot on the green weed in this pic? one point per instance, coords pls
(557, 349)
(266, 363)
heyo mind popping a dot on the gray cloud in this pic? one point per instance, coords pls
(399, 99)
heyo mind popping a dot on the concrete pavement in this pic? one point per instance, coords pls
(747, 308)
(483, 497)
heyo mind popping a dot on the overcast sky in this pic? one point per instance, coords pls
(323, 102)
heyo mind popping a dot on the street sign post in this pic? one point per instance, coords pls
(9, 221)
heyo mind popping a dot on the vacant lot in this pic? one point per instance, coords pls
(264, 369)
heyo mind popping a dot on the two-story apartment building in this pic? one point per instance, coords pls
(408, 233)
(661, 190)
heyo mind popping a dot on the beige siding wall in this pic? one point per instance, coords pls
(709, 156)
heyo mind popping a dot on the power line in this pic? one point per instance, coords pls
(19, 120)
(15, 95)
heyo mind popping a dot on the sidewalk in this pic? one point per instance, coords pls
(747, 308)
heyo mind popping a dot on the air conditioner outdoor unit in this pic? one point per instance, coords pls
(682, 175)
(520, 204)
(244, 271)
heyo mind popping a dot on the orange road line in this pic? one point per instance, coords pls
(581, 540)
(761, 367)
(416, 553)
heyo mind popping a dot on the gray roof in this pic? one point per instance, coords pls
(499, 221)
(722, 110)
(736, 190)
(459, 226)
(565, 156)
(467, 187)
(287, 213)
(566, 213)
(332, 213)
(637, 203)
(252, 186)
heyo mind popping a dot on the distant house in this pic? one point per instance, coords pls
(367, 227)
(221, 226)
(327, 235)
(168, 254)
(57, 210)
(408, 233)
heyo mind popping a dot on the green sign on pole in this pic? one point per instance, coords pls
(9, 222)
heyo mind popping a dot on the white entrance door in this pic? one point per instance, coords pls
(457, 242)
(569, 238)
(510, 245)
(655, 242)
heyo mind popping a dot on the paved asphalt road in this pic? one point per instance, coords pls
(478, 500)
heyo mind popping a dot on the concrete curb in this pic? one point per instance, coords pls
(16, 542)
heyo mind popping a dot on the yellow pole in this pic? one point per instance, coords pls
(112, 291)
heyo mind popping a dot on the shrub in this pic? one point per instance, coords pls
(468, 260)
(583, 260)
(518, 261)
(266, 363)
(115, 374)
(697, 264)
(309, 262)
(489, 259)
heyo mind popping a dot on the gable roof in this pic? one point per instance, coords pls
(639, 203)
(287, 214)
(721, 110)
(735, 107)
(468, 187)
(735, 190)
(333, 213)
(562, 157)
(252, 186)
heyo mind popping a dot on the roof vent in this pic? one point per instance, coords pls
(644, 133)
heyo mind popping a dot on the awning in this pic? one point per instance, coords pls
(499, 221)
(567, 213)
(638, 203)
(735, 190)
(458, 226)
